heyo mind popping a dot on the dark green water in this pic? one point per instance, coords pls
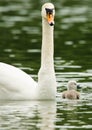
(20, 43)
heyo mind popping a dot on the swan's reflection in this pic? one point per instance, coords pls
(47, 112)
(38, 115)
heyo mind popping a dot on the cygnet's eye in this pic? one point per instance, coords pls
(75, 84)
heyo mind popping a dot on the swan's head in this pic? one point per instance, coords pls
(72, 85)
(48, 13)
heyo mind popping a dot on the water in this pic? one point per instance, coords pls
(20, 43)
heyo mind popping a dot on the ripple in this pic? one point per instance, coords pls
(8, 50)
(74, 10)
(31, 30)
(14, 18)
(75, 19)
(16, 31)
(33, 50)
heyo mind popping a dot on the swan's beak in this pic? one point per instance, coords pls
(50, 19)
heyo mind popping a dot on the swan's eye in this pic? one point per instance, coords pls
(49, 11)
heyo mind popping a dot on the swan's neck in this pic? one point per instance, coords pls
(46, 75)
(47, 45)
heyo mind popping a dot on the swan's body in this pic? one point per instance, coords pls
(17, 85)
(71, 92)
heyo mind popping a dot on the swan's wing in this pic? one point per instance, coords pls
(14, 79)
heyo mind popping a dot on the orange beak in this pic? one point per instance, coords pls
(50, 19)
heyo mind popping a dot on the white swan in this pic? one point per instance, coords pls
(17, 85)
(71, 92)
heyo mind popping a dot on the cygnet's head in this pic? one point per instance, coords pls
(72, 85)
(48, 12)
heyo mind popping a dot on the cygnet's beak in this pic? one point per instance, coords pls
(78, 86)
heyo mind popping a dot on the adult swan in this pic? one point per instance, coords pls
(17, 85)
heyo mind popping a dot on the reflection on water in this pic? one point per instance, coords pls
(20, 43)
(28, 115)
(73, 112)
(45, 115)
